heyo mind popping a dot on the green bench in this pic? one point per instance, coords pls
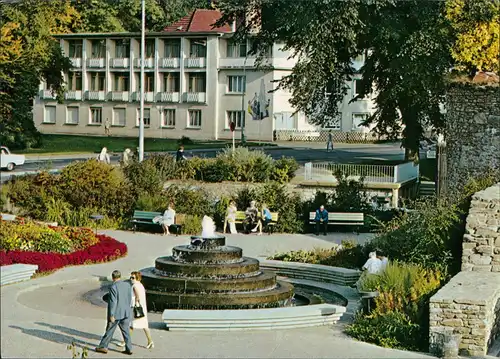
(146, 218)
(341, 219)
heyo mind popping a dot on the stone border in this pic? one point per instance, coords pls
(14, 273)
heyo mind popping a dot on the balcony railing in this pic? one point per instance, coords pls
(76, 62)
(120, 62)
(73, 95)
(47, 95)
(168, 97)
(95, 95)
(195, 62)
(149, 63)
(170, 62)
(148, 96)
(119, 96)
(195, 97)
(236, 62)
(96, 63)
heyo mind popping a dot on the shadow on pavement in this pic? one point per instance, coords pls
(69, 331)
(53, 337)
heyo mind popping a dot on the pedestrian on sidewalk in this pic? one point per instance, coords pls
(119, 313)
(107, 126)
(329, 143)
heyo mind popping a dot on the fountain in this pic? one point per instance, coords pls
(208, 274)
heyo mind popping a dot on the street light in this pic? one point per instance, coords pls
(243, 139)
(141, 88)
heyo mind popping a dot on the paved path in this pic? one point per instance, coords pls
(42, 316)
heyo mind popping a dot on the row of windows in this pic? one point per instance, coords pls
(171, 82)
(167, 117)
(357, 120)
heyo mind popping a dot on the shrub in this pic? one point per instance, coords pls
(349, 195)
(284, 169)
(144, 177)
(152, 202)
(245, 165)
(314, 256)
(192, 225)
(188, 200)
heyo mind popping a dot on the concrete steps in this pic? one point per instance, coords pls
(14, 273)
(427, 188)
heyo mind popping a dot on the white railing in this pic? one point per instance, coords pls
(95, 95)
(321, 135)
(199, 97)
(195, 62)
(149, 63)
(96, 63)
(169, 97)
(47, 94)
(236, 62)
(119, 96)
(73, 95)
(406, 172)
(120, 62)
(76, 62)
(148, 96)
(170, 62)
(370, 173)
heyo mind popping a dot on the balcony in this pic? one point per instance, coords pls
(168, 97)
(121, 63)
(170, 63)
(236, 62)
(148, 96)
(95, 95)
(149, 63)
(47, 95)
(76, 62)
(119, 96)
(97, 63)
(73, 95)
(195, 62)
(195, 97)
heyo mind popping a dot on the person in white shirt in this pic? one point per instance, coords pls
(373, 265)
(168, 219)
(383, 259)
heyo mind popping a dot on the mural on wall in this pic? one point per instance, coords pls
(258, 106)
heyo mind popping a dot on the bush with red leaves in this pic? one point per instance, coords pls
(106, 250)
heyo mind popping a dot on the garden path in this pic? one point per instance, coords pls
(38, 321)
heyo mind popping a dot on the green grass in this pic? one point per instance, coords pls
(84, 144)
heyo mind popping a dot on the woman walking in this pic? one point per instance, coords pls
(139, 299)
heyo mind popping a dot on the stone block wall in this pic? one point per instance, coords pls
(481, 243)
(472, 132)
(467, 308)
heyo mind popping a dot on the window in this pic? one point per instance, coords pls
(72, 115)
(98, 49)
(238, 117)
(358, 119)
(122, 49)
(96, 115)
(356, 87)
(267, 49)
(97, 81)
(50, 114)
(196, 82)
(121, 81)
(235, 49)
(172, 48)
(147, 116)
(74, 81)
(119, 117)
(333, 123)
(198, 48)
(75, 48)
(194, 118)
(168, 117)
(150, 48)
(236, 84)
(171, 82)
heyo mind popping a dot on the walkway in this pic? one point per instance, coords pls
(42, 316)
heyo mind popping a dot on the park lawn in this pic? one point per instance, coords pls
(84, 144)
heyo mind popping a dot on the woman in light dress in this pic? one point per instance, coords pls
(139, 298)
(167, 219)
(103, 156)
(231, 217)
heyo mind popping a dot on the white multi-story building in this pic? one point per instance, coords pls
(197, 80)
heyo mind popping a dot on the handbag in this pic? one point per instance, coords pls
(138, 311)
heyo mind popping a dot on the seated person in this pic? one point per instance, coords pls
(373, 265)
(321, 219)
(168, 219)
(251, 217)
(265, 219)
(231, 217)
(383, 259)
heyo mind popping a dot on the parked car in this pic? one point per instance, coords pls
(9, 160)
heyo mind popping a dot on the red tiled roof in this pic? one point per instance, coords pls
(199, 20)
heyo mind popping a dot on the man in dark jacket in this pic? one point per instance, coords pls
(180, 154)
(321, 219)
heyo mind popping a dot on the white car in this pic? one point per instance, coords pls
(9, 160)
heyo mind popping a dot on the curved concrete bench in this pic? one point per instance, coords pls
(248, 319)
(14, 273)
(315, 272)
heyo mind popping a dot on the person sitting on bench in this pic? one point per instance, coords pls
(168, 219)
(251, 216)
(265, 219)
(321, 219)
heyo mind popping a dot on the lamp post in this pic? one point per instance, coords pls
(141, 88)
(243, 138)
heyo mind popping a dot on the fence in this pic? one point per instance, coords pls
(370, 173)
(322, 136)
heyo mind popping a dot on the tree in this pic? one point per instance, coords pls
(28, 55)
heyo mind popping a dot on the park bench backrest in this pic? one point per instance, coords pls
(346, 217)
(274, 216)
(240, 215)
(146, 215)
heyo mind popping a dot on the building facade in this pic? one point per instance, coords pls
(197, 81)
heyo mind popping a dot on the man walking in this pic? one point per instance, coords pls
(107, 126)
(329, 143)
(321, 219)
(119, 313)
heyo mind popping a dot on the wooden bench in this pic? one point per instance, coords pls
(146, 218)
(240, 218)
(341, 219)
